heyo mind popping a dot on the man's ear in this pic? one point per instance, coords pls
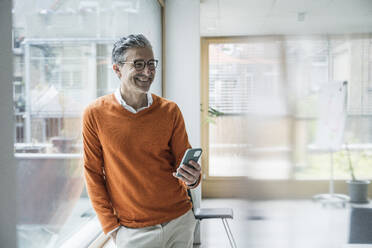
(116, 69)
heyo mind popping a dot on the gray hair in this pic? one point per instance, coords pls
(123, 44)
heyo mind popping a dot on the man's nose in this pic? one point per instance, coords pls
(147, 71)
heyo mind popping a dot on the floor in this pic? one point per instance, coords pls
(278, 224)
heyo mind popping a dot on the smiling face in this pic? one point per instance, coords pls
(133, 80)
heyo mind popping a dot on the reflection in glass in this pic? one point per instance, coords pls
(251, 138)
(62, 62)
(267, 89)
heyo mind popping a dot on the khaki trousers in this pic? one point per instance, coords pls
(177, 233)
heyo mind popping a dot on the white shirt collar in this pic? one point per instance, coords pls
(128, 107)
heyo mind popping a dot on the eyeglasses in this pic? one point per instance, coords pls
(140, 64)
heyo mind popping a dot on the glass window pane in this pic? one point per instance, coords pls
(343, 60)
(251, 138)
(62, 62)
(264, 99)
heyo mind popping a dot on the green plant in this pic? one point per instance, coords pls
(212, 114)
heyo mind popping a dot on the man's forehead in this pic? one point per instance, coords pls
(139, 52)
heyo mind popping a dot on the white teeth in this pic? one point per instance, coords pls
(142, 80)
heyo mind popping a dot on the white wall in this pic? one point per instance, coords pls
(182, 61)
(7, 162)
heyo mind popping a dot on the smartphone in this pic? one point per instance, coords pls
(190, 154)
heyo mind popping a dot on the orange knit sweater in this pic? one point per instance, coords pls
(128, 162)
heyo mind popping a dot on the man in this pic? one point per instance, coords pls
(133, 144)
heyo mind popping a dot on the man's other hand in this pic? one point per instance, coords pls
(113, 235)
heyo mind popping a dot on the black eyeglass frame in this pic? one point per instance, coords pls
(145, 64)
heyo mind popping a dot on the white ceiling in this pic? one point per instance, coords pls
(265, 17)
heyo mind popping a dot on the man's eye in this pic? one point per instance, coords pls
(139, 64)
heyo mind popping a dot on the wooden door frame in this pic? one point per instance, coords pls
(213, 186)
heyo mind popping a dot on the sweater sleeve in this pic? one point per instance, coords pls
(180, 142)
(94, 174)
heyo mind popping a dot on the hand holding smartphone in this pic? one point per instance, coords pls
(190, 154)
